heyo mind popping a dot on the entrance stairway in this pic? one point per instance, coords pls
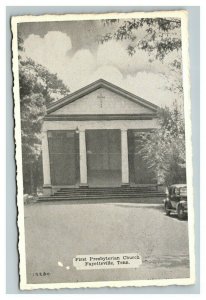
(123, 194)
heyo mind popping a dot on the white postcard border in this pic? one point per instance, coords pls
(18, 155)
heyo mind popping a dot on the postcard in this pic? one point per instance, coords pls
(103, 150)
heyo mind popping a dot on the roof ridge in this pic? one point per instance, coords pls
(93, 86)
(77, 91)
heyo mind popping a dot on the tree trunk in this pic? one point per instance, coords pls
(31, 179)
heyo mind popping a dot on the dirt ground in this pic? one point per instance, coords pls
(57, 232)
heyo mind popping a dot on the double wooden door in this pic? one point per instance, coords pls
(63, 154)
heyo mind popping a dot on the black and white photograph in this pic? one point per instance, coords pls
(103, 150)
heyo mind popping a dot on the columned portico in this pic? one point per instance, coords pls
(124, 157)
(82, 158)
(89, 136)
(46, 163)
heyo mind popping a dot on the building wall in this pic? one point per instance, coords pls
(99, 110)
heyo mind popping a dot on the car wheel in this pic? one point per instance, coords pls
(180, 212)
(167, 207)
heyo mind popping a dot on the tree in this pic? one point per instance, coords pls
(38, 88)
(162, 35)
(163, 150)
(159, 37)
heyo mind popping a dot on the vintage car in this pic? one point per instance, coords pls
(176, 200)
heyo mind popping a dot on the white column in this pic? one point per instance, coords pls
(124, 155)
(82, 158)
(45, 160)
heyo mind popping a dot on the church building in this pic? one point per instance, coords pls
(90, 139)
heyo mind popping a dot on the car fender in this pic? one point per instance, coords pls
(169, 203)
(180, 203)
(166, 200)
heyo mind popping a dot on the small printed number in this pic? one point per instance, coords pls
(41, 274)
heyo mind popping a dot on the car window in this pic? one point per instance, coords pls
(184, 189)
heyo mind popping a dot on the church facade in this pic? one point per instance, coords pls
(90, 139)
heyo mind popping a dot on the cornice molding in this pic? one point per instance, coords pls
(99, 117)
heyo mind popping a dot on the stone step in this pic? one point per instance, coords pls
(145, 200)
(104, 193)
(93, 193)
(105, 189)
(109, 188)
(105, 196)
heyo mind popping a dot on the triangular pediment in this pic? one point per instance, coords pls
(101, 98)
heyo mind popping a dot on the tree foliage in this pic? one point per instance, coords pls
(163, 150)
(38, 88)
(159, 37)
(162, 35)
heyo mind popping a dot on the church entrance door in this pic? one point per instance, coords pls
(103, 157)
(64, 157)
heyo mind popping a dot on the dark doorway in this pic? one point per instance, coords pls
(64, 157)
(139, 172)
(103, 157)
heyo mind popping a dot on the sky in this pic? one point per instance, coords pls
(71, 49)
